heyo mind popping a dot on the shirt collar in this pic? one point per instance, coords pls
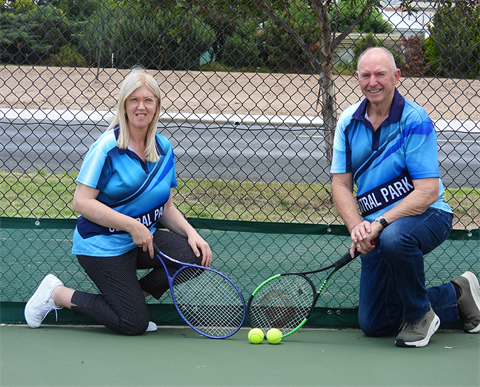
(396, 110)
(160, 151)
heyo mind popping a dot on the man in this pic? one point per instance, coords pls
(386, 146)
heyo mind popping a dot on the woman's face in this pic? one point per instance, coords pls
(140, 107)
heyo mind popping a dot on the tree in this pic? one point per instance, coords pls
(415, 63)
(18, 6)
(224, 28)
(284, 51)
(78, 9)
(32, 37)
(344, 14)
(141, 33)
(280, 13)
(333, 24)
(453, 47)
(284, 14)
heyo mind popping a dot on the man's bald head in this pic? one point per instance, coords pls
(377, 51)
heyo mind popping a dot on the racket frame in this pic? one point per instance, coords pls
(171, 279)
(347, 258)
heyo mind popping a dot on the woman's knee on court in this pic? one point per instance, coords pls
(132, 318)
(132, 325)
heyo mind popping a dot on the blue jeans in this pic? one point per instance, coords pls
(392, 282)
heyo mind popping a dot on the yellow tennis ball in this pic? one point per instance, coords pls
(255, 336)
(274, 336)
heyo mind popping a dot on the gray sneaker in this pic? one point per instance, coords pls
(469, 301)
(418, 334)
(41, 304)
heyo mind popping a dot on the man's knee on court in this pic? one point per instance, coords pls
(371, 328)
(367, 325)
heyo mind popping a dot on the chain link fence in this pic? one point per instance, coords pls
(251, 95)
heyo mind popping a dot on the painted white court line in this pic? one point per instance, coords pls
(233, 119)
(54, 115)
(206, 118)
(457, 126)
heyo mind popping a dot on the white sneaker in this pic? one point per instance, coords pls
(152, 327)
(41, 304)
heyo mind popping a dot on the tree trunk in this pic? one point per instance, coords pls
(329, 108)
(324, 69)
(19, 58)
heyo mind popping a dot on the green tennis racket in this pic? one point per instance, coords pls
(286, 301)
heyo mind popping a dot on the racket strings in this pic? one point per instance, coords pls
(282, 303)
(208, 301)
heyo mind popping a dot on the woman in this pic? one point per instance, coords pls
(124, 189)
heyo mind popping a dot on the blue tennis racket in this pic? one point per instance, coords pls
(207, 300)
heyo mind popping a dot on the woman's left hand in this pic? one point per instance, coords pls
(173, 220)
(198, 244)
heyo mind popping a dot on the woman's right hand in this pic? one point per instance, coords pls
(85, 203)
(142, 237)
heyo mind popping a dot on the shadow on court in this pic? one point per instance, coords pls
(95, 356)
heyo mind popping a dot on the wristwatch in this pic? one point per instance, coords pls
(380, 219)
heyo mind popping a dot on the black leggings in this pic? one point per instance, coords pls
(121, 305)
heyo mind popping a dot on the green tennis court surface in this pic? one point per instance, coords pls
(94, 356)
(82, 354)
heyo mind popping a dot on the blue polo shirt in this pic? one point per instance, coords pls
(128, 185)
(386, 161)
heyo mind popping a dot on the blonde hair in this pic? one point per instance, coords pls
(137, 78)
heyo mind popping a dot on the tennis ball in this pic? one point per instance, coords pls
(274, 336)
(255, 336)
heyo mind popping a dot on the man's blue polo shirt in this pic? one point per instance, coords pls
(384, 162)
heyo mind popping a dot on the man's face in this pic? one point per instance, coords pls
(377, 77)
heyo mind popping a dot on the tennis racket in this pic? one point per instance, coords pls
(207, 300)
(285, 301)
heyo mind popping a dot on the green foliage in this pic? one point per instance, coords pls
(430, 49)
(53, 29)
(19, 6)
(170, 34)
(69, 57)
(285, 54)
(453, 47)
(78, 10)
(475, 31)
(236, 37)
(167, 39)
(346, 11)
(32, 37)
(243, 47)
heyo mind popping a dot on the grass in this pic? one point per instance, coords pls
(276, 202)
(39, 194)
(46, 195)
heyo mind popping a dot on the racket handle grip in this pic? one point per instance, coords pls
(347, 258)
